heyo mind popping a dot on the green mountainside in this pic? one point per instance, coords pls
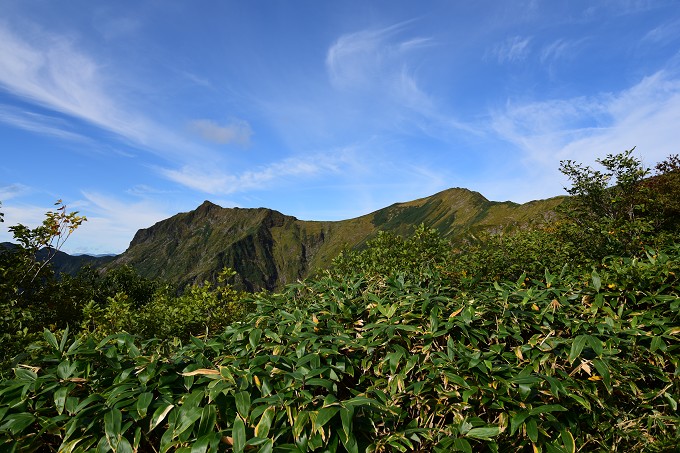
(268, 249)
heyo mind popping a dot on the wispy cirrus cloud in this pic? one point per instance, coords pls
(13, 190)
(513, 49)
(39, 123)
(235, 131)
(664, 34)
(584, 128)
(377, 61)
(560, 49)
(216, 182)
(50, 71)
(379, 71)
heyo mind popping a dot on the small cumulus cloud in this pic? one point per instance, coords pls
(513, 49)
(235, 131)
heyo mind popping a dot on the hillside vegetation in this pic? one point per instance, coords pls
(562, 337)
(268, 250)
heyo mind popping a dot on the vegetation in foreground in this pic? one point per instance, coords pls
(563, 338)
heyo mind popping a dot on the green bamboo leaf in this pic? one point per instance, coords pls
(517, 420)
(324, 416)
(143, 402)
(671, 401)
(254, 337)
(546, 409)
(22, 374)
(568, 441)
(201, 445)
(242, 400)
(325, 383)
(603, 370)
(267, 446)
(262, 428)
(597, 282)
(596, 344)
(577, 346)
(485, 433)
(361, 401)
(16, 423)
(112, 424)
(159, 415)
(60, 399)
(64, 337)
(300, 423)
(346, 415)
(532, 430)
(137, 438)
(188, 414)
(238, 435)
(657, 343)
(51, 339)
(208, 420)
(65, 369)
(582, 401)
(350, 443)
(124, 446)
(462, 445)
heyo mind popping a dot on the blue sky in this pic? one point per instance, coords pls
(133, 111)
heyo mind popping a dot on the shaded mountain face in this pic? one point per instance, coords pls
(63, 263)
(268, 249)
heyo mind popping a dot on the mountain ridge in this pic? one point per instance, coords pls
(269, 249)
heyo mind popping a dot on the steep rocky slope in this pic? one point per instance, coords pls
(269, 249)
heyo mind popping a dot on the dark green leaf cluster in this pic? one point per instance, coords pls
(389, 253)
(586, 361)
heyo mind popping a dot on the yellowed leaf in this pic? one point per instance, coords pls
(201, 371)
(456, 313)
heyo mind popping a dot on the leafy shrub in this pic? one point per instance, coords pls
(29, 299)
(201, 310)
(584, 362)
(389, 254)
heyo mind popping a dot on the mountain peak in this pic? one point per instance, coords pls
(269, 249)
(207, 206)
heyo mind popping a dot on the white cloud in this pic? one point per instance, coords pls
(236, 131)
(220, 183)
(18, 213)
(646, 116)
(13, 190)
(560, 49)
(373, 59)
(38, 123)
(513, 49)
(49, 70)
(112, 223)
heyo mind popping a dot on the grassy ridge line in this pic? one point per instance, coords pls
(269, 249)
(584, 362)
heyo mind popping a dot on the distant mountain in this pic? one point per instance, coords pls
(269, 249)
(64, 263)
